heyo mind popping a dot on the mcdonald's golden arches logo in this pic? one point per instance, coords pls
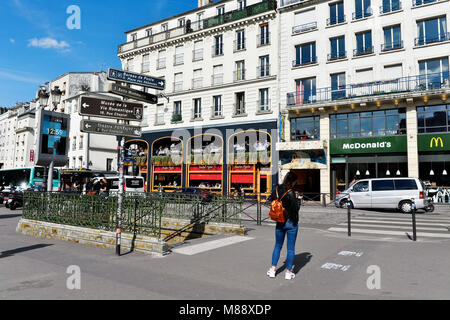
(436, 141)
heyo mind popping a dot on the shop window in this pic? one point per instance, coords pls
(433, 119)
(368, 124)
(305, 128)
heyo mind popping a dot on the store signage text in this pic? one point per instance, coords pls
(368, 145)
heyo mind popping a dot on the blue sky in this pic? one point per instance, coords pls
(36, 46)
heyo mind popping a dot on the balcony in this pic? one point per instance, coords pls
(263, 71)
(197, 55)
(411, 84)
(336, 56)
(197, 83)
(421, 41)
(304, 28)
(263, 39)
(390, 7)
(178, 59)
(362, 51)
(239, 109)
(285, 3)
(238, 45)
(255, 9)
(336, 20)
(217, 79)
(217, 50)
(362, 14)
(178, 86)
(392, 46)
(299, 63)
(161, 63)
(416, 3)
(264, 106)
(239, 75)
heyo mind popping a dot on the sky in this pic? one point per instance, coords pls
(38, 45)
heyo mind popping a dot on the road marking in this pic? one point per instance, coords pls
(334, 266)
(437, 228)
(403, 219)
(394, 223)
(211, 245)
(393, 233)
(350, 253)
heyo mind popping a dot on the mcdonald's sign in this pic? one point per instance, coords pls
(434, 142)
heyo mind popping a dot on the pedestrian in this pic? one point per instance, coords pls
(287, 196)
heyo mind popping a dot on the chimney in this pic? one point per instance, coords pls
(202, 3)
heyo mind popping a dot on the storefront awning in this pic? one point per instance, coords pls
(242, 178)
(205, 176)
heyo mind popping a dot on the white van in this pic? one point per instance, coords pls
(385, 193)
(132, 183)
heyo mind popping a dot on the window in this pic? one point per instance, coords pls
(434, 73)
(305, 54)
(304, 21)
(177, 107)
(392, 38)
(305, 128)
(421, 2)
(363, 43)
(217, 77)
(198, 51)
(178, 83)
(145, 63)
(239, 73)
(217, 106)
(305, 90)
(364, 75)
(149, 32)
(382, 185)
(218, 46)
(197, 112)
(240, 104)
(134, 37)
(179, 56)
(130, 65)
(336, 13)
(390, 6)
(393, 71)
(433, 119)
(197, 81)
(405, 184)
(240, 40)
(368, 124)
(362, 9)
(264, 102)
(109, 164)
(221, 10)
(161, 63)
(80, 146)
(181, 22)
(242, 4)
(362, 186)
(164, 27)
(337, 48)
(160, 114)
(338, 86)
(264, 67)
(264, 35)
(431, 30)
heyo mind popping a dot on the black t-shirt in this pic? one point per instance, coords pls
(290, 202)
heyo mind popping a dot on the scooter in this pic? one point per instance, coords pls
(14, 199)
(429, 206)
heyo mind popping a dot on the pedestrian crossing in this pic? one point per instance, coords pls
(398, 226)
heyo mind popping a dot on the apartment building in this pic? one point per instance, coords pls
(364, 87)
(216, 125)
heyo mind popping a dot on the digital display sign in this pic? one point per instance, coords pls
(53, 138)
(54, 135)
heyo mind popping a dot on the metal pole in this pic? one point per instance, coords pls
(349, 217)
(120, 197)
(50, 177)
(258, 210)
(414, 219)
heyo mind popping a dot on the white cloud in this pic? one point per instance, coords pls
(12, 40)
(48, 43)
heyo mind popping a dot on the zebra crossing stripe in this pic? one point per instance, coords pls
(391, 233)
(393, 223)
(437, 228)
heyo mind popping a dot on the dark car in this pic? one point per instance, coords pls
(194, 192)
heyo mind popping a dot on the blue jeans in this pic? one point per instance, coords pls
(281, 231)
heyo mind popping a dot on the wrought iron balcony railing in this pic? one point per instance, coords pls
(421, 41)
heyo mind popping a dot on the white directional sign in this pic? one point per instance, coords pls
(136, 78)
(111, 109)
(112, 129)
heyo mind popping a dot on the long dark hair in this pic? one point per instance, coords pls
(290, 180)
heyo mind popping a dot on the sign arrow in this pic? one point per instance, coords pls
(85, 105)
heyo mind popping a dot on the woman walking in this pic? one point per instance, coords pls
(286, 194)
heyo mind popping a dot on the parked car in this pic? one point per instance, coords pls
(385, 193)
(194, 192)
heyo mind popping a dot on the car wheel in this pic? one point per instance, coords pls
(405, 207)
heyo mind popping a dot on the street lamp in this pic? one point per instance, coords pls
(43, 97)
(56, 97)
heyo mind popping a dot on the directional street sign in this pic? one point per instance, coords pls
(111, 109)
(136, 78)
(132, 94)
(111, 129)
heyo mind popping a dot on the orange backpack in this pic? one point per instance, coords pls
(277, 211)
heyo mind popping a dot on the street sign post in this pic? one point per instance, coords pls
(132, 94)
(136, 79)
(111, 109)
(111, 129)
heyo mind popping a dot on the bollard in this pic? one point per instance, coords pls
(413, 207)
(324, 200)
(349, 217)
(258, 211)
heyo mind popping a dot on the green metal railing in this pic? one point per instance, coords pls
(141, 212)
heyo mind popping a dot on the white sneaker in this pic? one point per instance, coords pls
(289, 276)
(271, 273)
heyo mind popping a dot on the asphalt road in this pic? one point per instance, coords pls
(328, 265)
